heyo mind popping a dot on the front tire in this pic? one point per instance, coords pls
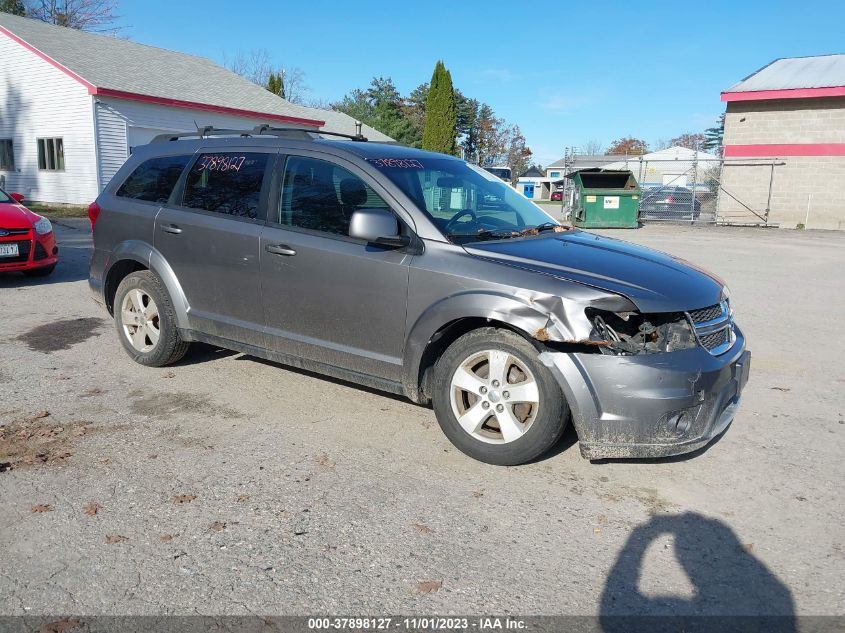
(495, 400)
(146, 322)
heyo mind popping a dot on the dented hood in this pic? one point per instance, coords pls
(654, 281)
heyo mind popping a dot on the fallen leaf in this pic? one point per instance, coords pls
(60, 626)
(111, 539)
(429, 586)
(42, 507)
(217, 526)
(179, 499)
(243, 498)
(323, 460)
(746, 547)
(422, 529)
(781, 388)
(39, 415)
(168, 374)
(168, 537)
(91, 508)
(105, 462)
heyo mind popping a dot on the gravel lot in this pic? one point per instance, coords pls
(231, 485)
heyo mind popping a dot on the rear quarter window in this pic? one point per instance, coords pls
(154, 179)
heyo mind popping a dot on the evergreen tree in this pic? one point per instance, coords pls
(440, 126)
(276, 84)
(15, 7)
(381, 107)
(713, 136)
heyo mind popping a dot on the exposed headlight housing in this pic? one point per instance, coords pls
(42, 226)
(626, 333)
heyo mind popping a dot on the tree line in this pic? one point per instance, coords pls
(439, 117)
(85, 15)
(708, 141)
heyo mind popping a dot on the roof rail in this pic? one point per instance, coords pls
(280, 131)
(201, 132)
(258, 130)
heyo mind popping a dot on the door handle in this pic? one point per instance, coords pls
(171, 228)
(280, 249)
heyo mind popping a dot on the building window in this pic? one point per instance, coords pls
(51, 154)
(554, 174)
(7, 154)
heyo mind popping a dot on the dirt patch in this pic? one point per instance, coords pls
(61, 335)
(163, 406)
(38, 440)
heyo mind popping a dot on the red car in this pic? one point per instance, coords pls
(27, 242)
(557, 195)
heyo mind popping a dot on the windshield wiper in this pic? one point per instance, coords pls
(545, 226)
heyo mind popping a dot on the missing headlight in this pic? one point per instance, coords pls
(627, 333)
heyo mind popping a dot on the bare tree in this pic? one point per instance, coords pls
(257, 66)
(84, 15)
(593, 147)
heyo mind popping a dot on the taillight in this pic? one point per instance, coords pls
(93, 213)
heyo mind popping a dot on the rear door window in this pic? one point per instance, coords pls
(227, 182)
(154, 179)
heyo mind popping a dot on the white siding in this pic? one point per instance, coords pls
(124, 124)
(111, 141)
(39, 101)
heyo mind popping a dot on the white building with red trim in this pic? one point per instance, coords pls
(74, 104)
(784, 143)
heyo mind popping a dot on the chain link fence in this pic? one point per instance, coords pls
(700, 190)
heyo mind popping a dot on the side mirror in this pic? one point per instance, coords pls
(377, 226)
(17, 197)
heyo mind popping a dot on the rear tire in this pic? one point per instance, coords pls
(495, 400)
(146, 322)
(44, 271)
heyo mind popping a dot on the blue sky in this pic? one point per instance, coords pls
(565, 72)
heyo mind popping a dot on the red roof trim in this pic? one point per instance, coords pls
(795, 93)
(131, 96)
(772, 150)
(47, 58)
(176, 103)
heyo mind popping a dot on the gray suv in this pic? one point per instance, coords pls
(417, 274)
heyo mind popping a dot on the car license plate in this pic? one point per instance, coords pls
(9, 250)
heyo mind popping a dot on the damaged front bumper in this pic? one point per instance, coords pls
(651, 405)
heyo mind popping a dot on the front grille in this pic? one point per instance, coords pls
(714, 327)
(4, 232)
(715, 339)
(23, 253)
(706, 314)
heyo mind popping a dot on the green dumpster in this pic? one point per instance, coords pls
(605, 198)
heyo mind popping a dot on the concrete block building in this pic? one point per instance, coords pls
(785, 132)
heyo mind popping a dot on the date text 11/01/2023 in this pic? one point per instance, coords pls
(420, 623)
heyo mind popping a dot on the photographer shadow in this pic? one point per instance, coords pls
(732, 590)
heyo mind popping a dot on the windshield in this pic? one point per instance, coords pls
(464, 201)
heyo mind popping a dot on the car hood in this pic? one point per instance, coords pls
(654, 281)
(15, 216)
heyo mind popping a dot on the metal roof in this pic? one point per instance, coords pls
(110, 64)
(792, 73)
